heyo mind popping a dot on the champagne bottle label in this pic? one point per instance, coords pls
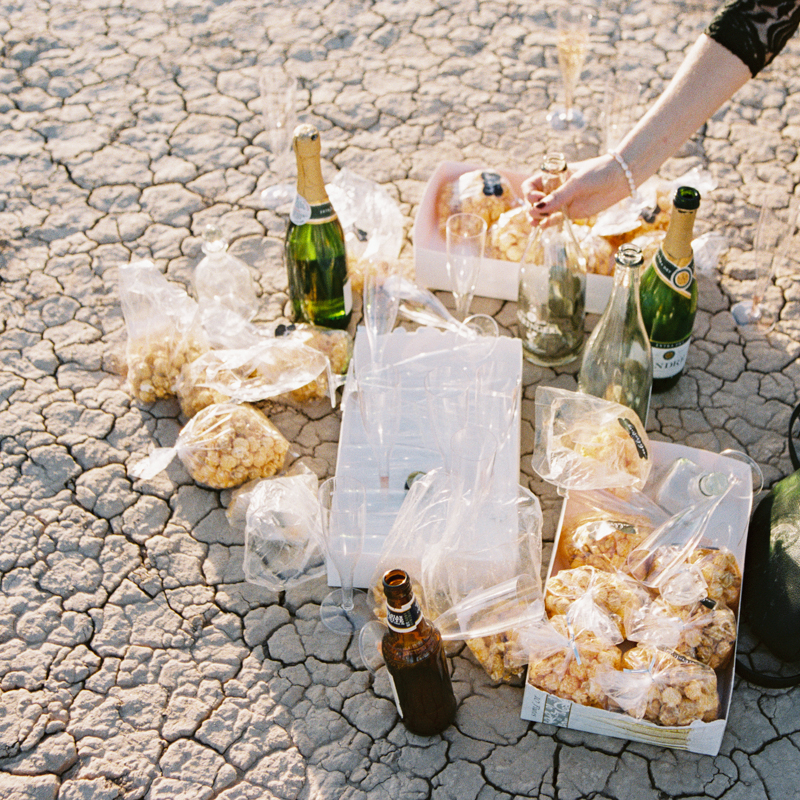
(670, 358)
(301, 210)
(676, 277)
(404, 619)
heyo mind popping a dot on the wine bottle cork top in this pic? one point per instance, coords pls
(306, 140)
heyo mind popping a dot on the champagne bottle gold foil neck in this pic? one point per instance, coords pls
(310, 184)
(677, 245)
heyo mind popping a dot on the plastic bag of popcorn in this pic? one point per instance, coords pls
(222, 446)
(704, 631)
(585, 442)
(160, 320)
(660, 686)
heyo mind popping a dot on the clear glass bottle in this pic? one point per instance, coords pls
(552, 284)
(316, 262)
(686, 483)
(669, 293)
(222, 278)
(617, 361)
(415, 659)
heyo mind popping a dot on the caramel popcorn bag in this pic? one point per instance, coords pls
(660, 686)
(584, 442)
(160, 320)
(222, 446)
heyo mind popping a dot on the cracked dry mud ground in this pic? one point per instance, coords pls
(135, 660)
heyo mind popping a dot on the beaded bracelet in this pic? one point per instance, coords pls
(627, 170)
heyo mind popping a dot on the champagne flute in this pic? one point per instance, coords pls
(465, 236)
(380, 311)
(343, 513)
(380, 404)
(572, 43)
(448, 390)
(278, 95)
(774, 235)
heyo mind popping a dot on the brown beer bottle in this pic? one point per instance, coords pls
(414, 655)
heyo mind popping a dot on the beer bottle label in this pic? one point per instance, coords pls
(669, 358)
(679, 279)
(404, 619)
(394, 693)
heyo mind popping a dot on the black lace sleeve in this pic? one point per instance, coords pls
(755, 30)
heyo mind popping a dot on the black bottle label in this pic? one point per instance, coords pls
(404, 619)
(677, 278)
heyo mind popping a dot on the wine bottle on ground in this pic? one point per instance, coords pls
(668, 293)
(316, 264)
(415, 659)
(617, 361)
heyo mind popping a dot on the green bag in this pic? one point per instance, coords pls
(771, 593)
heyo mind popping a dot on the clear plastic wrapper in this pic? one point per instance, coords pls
(661, 686)
(658, 559)
(222, 278)
(487, 619)
(373, 224)
(223, 446)
(562, 660)
(266, 370)
(484, 192)
(600, 540)
(614, 592)
(704, 631)
(721, 573)
(282, 542)
(443, 546)
(162, 335)
(584, 442)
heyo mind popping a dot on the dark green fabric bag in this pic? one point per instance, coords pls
(771, 593)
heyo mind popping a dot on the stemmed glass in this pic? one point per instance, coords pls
(572, 26)
(465, 235)
(380, 311)
(447, 393)
(343, 513)
(774, 235)
(278, 95)
(380, 404)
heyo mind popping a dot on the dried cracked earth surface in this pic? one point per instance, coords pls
(136, 662)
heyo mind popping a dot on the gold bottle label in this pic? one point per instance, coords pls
(678, 278)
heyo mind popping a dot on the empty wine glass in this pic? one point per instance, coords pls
(497, 399)
(774, 235)
(379, 400)
(473, 450)
(343, 511)
(380, 311)
(572, 43)
(465, 236)
(447, 392)
(278, 95)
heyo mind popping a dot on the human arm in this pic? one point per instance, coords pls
(709, 75)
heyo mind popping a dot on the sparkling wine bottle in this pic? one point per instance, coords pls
(415, 659)
(552, 284)
(668, 293)
(315, 252)
(617, 362)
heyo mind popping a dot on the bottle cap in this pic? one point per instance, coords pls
(687, 198)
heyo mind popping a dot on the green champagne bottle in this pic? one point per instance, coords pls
(316, 263)
(669, 293)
